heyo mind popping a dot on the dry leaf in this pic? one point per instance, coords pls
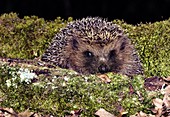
(167, 79)
(154, 83)
(142, 114)
(26, 113)
(158, 102)
(158, 107)
(103, 113)
(104, 78)
(7, 112)
(137, 115)
(166, 100)
(166, 90)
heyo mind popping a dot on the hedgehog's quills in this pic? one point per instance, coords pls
(93, 45)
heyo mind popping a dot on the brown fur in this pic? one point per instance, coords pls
(121, 62)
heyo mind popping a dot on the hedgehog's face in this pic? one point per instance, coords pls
(99, 58)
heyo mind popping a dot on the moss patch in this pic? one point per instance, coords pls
(28, 37)
(66, 91)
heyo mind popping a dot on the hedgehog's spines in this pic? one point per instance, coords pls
(98, 36)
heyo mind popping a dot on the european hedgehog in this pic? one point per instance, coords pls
(91, 46)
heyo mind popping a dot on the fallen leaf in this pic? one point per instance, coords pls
(158, 102)
(103, 113)
(167, 79)
(7, 112)
(142, 114)
(166, 90)
(158, 107)
(104, 78)
(26, 113)
(154, 83)
(166, 100)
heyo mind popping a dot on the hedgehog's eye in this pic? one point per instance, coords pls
(112, 54)
(88, 54)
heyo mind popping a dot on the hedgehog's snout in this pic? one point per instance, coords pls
(103, 68)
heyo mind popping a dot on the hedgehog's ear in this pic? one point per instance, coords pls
(124, 43)
(122, 46)
(74, 44)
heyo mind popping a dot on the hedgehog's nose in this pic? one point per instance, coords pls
(103, 68)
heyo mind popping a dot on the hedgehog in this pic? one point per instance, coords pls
(93, 45)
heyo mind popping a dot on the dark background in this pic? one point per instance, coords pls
(132, 11)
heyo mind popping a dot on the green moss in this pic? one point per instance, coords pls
(65, 92)
(28, 37)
